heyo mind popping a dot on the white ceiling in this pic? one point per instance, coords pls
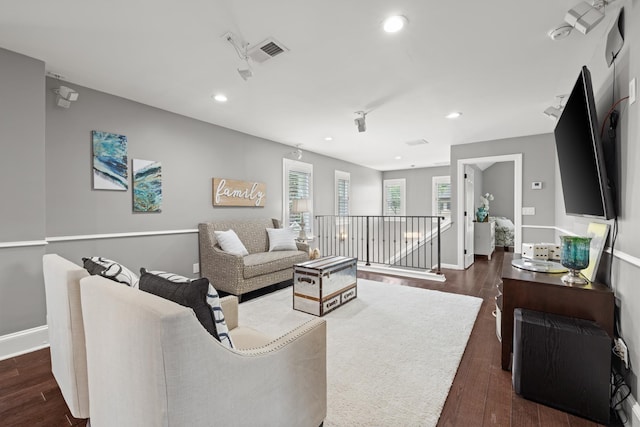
(490, 60)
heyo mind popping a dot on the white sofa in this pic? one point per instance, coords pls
(151, 363)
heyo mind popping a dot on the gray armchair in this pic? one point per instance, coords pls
(236, 274)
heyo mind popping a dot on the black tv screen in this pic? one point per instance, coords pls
(585, 184)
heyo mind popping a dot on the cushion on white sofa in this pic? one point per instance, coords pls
(111, 270)
(212, 300)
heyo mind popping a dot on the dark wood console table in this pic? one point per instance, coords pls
(547, 293)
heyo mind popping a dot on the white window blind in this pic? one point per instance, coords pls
(394, 197)
(442, 196)
(343, 189)
(298, 183)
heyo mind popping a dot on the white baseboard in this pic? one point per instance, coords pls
(22, 342)
(418, 274)
(632, 410)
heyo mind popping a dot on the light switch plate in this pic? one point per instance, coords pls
(632, 91)
(528, 211)
(196, 268)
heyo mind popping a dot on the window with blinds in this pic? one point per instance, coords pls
(442, 196)
(299, 188)
(394, 197)
(343, 188)
(298, 181)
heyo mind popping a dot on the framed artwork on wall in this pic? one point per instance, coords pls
(233, 192)
(147, 186)
(110, 164)
(598, 233)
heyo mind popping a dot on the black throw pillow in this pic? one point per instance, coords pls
(92, 267)
(191, 294)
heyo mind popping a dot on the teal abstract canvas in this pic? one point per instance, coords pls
(147, 186)
(110, 164)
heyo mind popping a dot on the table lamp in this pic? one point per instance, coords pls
(301, 206)
(575, 256)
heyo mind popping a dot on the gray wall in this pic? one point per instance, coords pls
(191, 152)
(55, 198)
(624, 274)
(537, 152)
(22, 192)
(498, 180)
(419, 187)
(419, 194)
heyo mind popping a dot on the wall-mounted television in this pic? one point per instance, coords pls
(585, 184)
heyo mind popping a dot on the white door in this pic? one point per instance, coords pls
(469, 214)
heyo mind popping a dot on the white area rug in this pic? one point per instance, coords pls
(392, 353)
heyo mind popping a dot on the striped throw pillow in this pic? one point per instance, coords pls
(282, 239)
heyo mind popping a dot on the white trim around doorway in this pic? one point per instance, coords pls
(517, 198)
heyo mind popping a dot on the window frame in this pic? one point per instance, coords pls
(342, 176)
(435, 181)
(288, 166)
(402, 184)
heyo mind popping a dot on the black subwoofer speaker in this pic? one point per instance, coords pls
(562, 362)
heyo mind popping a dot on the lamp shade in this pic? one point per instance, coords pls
(301, 205)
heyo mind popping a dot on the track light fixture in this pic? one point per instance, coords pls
(241, 49)
(297, 153)
(583, 17)
(555, 112)
(65, 97)
(360, 121)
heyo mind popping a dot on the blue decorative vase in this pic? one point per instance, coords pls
(482, 214)
(575, 256)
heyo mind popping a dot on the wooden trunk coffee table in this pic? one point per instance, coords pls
(324, 284)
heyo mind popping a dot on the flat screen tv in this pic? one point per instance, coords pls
(585, 184)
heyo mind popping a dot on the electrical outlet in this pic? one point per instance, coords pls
(622, 351)
(196, 268)
(632, 91)
(528, 211)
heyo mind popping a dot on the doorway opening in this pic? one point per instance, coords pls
(463, 236)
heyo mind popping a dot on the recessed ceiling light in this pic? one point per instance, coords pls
(453, 115)
(220, 97)
(393, 24)
(328, 138)
(398, 157)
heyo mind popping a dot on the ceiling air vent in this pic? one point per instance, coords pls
(267, 49)
(417, 142)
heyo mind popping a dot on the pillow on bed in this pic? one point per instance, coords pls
(505, 223)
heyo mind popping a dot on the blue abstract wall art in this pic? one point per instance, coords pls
(147, 186)
(110, 164)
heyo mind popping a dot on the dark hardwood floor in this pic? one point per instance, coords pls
(481, 394)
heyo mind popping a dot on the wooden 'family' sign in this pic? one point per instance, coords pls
(231, 192)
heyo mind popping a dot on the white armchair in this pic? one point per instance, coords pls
(151, 363)
(66, 331)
